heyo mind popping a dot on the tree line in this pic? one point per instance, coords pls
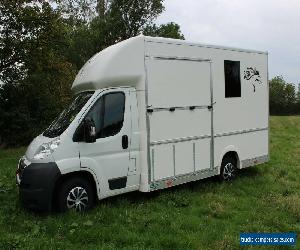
(284, 97)
(43, 44)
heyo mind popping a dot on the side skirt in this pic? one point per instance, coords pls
(254, 161)
(181, 179)
(202, 174)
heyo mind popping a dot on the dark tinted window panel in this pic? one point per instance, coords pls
(232, 79)
(113, 115)
(108, 114)
(95, 114)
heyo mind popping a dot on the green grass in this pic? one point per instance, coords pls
(200, 215)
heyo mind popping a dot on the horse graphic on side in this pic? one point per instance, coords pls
(253, 75)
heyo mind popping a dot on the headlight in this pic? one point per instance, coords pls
(46, 149)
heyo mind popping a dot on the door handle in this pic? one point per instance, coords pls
(124, 141)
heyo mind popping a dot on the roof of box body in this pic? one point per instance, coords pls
(123, 63)
(119, 65)
(203, 45)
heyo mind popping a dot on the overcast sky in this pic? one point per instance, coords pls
(267, 25)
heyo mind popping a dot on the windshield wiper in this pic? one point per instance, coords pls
(53, 132)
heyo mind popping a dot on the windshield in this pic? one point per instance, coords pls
(59, 125)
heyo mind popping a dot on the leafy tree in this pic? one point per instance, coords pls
(282, 96)
(102, 7)
(77, 11)
(43, 43)
(36, 72)
(130, 17)
(14, 40)
(118, 20)
(297, 106)
(169, 30)
(15, 123)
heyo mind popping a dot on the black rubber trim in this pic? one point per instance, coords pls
(150, 110)
(117, 183)
(37, 185)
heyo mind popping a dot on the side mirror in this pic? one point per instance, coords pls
(89, 130)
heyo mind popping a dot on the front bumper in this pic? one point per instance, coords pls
(36, 185)
(35, 199)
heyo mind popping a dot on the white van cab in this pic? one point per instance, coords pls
(150, 113)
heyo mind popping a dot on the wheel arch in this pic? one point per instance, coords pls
(230, 151)
(87, 175)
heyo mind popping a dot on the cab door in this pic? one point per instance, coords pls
(109, 156)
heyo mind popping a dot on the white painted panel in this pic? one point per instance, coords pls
(177, 83)
(250, 111)
(231, 114)
(248, 145)
(163, 161)
(184, 160)
(166, 125)
(202, 154)
(173, 83)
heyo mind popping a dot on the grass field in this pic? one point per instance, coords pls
(200, 215)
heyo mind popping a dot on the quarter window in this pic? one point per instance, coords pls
(232, 79)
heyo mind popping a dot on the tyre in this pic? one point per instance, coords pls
(228, 169)
(75, 194)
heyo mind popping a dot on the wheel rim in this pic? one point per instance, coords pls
(77, 199)
(228, 172)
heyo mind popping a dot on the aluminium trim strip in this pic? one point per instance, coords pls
(176, 42)
(182, 178)
(174, 160)
(255, 161)
(194, 156)
(152, 163)
(179, 58)
(241, 132)
(179, 108)
(212, 145)
(147, 118)
(192, 138)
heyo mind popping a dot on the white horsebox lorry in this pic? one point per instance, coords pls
(150, 113)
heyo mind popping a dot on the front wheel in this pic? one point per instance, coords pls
(75, 194)
(228, 169)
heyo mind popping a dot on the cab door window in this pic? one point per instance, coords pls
(108, 114)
